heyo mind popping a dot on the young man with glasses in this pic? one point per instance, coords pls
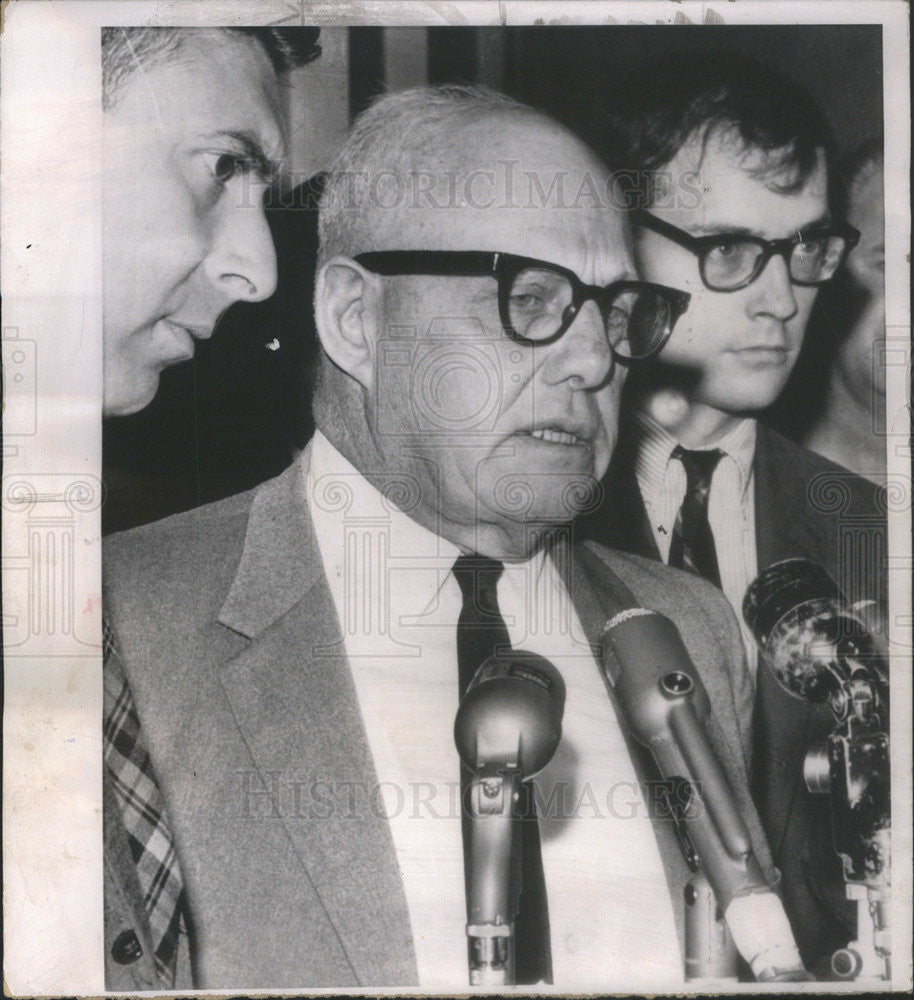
(730, 170)
(298, 652)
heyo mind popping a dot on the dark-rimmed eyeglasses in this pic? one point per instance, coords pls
(538, 301)
(730, 261)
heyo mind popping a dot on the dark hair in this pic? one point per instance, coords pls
(124, 50)
(682, 99)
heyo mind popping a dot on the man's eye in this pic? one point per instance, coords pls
(225, 166)
(526, 301)
(726, 250)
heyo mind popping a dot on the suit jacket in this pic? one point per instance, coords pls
(232, 647)
(809, 507)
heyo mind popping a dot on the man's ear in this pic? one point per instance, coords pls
(347, 302)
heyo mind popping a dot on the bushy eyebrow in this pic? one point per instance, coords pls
(267, 169)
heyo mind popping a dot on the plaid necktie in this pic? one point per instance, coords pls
(143, 811)
(692, 546)
(481, 631)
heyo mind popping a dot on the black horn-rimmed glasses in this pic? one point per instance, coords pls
(538, 301)
(730, 261)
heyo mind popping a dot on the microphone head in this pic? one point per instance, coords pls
(651, 672)
(799, 618)
(782, 587)
(511, 714)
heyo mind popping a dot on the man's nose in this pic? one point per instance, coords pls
(242, 263)
(583, 354)
(773, 290)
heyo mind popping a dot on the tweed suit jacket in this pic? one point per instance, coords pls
(808, 507)
(232, 647)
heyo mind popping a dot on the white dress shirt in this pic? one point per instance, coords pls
(611, 916)
(731, 505)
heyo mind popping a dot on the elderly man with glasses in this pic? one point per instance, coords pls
(727, 164)
(298, 654)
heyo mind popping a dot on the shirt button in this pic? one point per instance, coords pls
(126, 948)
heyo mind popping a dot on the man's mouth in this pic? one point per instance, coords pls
(199, 331)
(180, 340)
(553, 435)
(762, 353)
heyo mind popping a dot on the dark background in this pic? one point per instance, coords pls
(238, 412)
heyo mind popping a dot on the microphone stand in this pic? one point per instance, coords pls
(853, 769)
(493, 876)
(665, 705)
(822, 649)
(507, 728)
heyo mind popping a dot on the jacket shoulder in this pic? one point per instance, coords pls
(816, 475)
(174, 574)
(184, 545)
(654, 584)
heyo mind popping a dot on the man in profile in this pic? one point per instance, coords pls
(298, 653)
(728, 167)
(193, 137)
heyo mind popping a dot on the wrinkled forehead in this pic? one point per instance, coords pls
(516, 183)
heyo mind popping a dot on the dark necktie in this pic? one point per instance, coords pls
(143, 811)
(481, 631)
(692, 545)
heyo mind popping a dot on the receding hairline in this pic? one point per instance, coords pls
(498, 131)
(453, 131)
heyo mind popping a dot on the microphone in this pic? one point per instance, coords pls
(665, 704)
(507, 728)
(821, 649)
(816, 644)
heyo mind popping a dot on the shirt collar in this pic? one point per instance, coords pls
(654, 446)
(341, 499)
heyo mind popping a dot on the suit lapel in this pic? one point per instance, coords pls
(296, 706)
(621, 521)
(784, 528)
(598, 595)
(784, 725)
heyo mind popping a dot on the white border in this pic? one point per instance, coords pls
(51, 283)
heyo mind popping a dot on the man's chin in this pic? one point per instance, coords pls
(749, 394)
(124, 396)
(541, 498)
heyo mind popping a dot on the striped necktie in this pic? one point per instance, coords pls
(481, 631)
(142, 809)
(692, 545)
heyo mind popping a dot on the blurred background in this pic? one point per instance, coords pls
(238, 413)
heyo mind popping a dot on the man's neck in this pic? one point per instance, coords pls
(508, 541)
(694, 425)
